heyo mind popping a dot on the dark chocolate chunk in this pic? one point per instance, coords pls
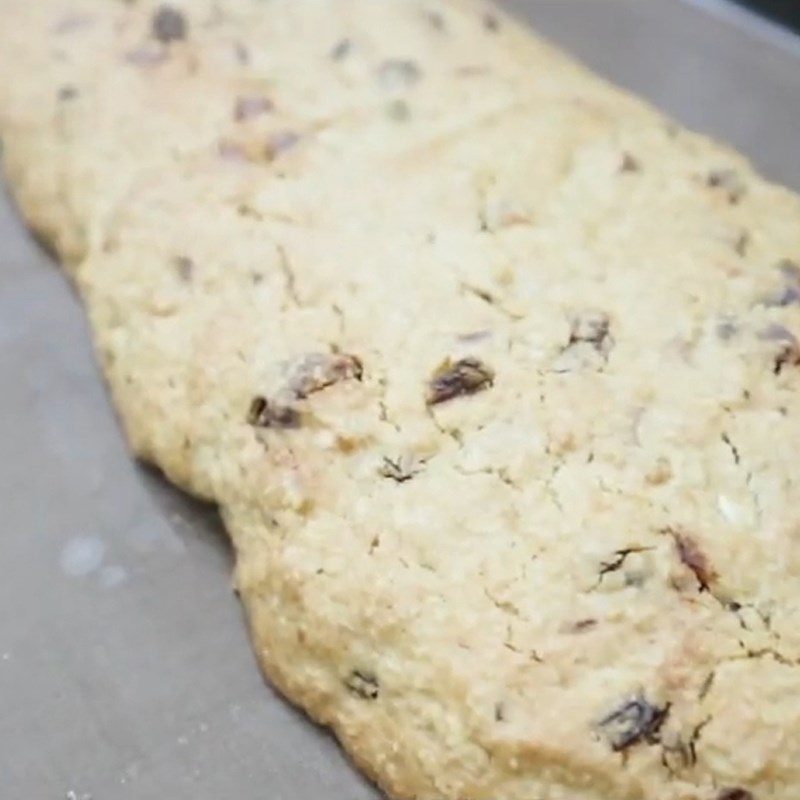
(455, 379)
(265, 414)
(317, 371)
(635, 721)
(363, 684)
(169, 25)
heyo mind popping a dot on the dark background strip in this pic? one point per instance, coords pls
(786, 12)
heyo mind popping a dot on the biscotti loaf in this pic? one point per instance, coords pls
(491, 369)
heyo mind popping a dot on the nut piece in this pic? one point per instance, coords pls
(454, 379)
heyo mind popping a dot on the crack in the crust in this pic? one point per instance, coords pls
(756, 497)
(289, 278)
(732, 447)
(453, 434)
(737, 459)
(383, 413)
(339, 314)
(489, 299)
(551, 490)
(505, 607)
(495, 472)
(684, 752)
(762, 652)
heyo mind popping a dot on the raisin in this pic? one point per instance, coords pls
(788, 296)
(729, 181)
(435, 20)
(789, 355)
(693, 557)
(735, 793)
(279, 143)
(594, 328)
(341, 50)
(491, 22)
(777, 333)
(454, 379)
(635, 721)
(184, 266)
(169, 25)
(629, 163)
(363, 684)
(251, 106)
(264, 414)
(399, 111)
(318, 371)
(727, 329)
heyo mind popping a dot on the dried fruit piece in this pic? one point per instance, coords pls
(629, 163)
(341, 50)
(399, 111)
(435, 20)
(491, 22)
(454, 379)
(279, 143)
(169, 25)
(695, 559)
(146, 56)
(249, 106)
(265, 414)
(789, 355)
(317, 371)
(184, 266)
(363, 684)
(636, 720)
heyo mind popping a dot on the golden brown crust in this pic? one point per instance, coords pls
(491, 370)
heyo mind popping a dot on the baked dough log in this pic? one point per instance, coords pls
(491, 369)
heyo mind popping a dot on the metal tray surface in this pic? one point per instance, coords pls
(125, 669)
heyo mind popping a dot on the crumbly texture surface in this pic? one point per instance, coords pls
(491, 369)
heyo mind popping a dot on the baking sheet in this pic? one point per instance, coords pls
(125, 671)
